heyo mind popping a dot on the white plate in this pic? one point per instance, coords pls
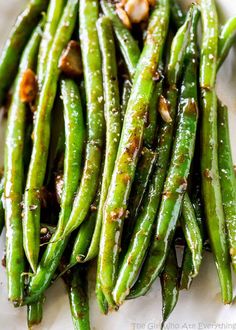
(200, 308)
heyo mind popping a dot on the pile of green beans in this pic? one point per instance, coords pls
(121, 155)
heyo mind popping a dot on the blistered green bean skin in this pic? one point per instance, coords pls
(192, 233)
(227, 179)
(37, 167)
(75, 135)
(211, 190)
(53, 16)
(143, 228)
(169, 285)
(14, 177)
(14, 46)
(176, 180)
(226, 40)
(129, 148)
(92, 65)
(2, 217)
(78, 297)
(34, 313)
(128, 46)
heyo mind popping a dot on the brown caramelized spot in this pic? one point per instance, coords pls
(164, 109)
(125, 178)
(192, 106)
(117, 214)
(134, 146)
(70, 62)
(28, 87)
(152, 2)
(167, 194)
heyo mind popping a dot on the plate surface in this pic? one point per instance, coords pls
(200, 308)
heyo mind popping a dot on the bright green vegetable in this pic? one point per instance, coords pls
(128, 46)
(34, 313)
(143, 228)
(75, 134)
(211, 191)
(14, 176)
(78, 296)
(169, 285)
(227, 179)
(92, 64)
(129, 148)
(226, 39)
(113, 122)
(176, 180)
(37, 167)
(53, 16)
(192, 233)
(14, 46)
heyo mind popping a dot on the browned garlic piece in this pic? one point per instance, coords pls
(123, 17)
(137, 10)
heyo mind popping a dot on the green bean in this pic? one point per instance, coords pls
(92, 64)
(113, 122)
(37, 167)
(176, 180)
(226, 40)
(125, 97)
(128, 46)
(227, 179)
(143, 228)
(211, 192)
(14, 176)
(75, 133)
(101, 300)
(177, 14)
(187, 269)
(192, 233)
(169, 285)
(78, 297)
(53, 17)
(14, 46)
(34, 313)
(129, 148)
(2, 218)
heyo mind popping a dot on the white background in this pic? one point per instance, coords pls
(200, 308)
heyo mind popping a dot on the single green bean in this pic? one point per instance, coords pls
(192, 233)
(53, 16)
(176, 180)
(227, 179)
(186, 269)
(92, 63)
(34, 313)
(129, 148)
(75, 133)
(78, 297)
(211, 191)
(14, 176)
(37, 167)
(169, 285)
(226, 40)
(128, 45)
